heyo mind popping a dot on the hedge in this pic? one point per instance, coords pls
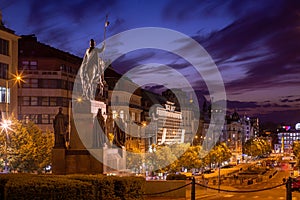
(103, 185)
(29, 186)
(38, 187)
(114, 187)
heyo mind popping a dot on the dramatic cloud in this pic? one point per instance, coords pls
(254, 44)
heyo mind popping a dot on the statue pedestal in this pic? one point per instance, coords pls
(113, 159)
(92, 161)
(81, 158)
(58, 161)
(82, 123)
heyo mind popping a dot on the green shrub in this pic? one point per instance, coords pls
(46, 187)
(28, 186)
(129, 187)
(103, 185)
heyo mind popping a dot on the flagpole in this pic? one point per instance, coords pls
(105, 25)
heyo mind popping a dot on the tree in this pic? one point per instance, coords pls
(218, 154)
(296, 149)
(134, 159)
(257, 147)
(28, 148)
(190, 158)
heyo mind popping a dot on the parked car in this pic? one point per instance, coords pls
(296, 184)
(209, 171)
(188, 175)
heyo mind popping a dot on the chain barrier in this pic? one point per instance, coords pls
(168, 190)
(240, 191)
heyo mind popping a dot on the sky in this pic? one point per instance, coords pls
(254, 44)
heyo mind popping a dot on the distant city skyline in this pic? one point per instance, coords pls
(255, 44)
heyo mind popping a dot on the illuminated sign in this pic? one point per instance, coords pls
(287, 128)
(297, 127)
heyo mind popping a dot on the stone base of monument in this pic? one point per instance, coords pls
(113, 159)
(81, 158)
(93, 161)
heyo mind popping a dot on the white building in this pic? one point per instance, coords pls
(169, 125)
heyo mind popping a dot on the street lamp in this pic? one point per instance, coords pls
(5, 126)
(17, 78)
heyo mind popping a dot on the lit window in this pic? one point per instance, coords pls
(114, 114)
(26, 101)
(122, 114)
(52, 101)
(45, 119)
(34, 118)
(34, 101)
(25, 64)
(33, 65)
(45, 101)
(3, 95)
(133, 116)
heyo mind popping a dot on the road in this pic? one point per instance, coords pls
(274, 194)
(241, 192)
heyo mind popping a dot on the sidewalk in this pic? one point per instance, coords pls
(200, 193)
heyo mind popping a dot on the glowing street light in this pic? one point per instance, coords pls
(5, 126)
(17, 78)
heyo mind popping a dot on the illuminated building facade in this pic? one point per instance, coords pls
(49, 76)
(8, 66)
(286, 135)
(169, 125)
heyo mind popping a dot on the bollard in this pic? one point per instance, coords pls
(193, 191)
(289, 189)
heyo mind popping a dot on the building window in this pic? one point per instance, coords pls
(45, 119)
(3, 70)
(30, 83)
(65, 102)
(53, 101)
(26, 101)
(30, 101)
(51, 83)
(4, 47)
(34, 118)
(45, 101)
(34, 101)
(3, 95)
(122, 114)
(114, 114)
(26, 65)
(133, 116)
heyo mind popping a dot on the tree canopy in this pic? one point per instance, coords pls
(28, 148)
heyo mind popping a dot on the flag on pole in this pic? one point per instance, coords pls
(106, 21)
